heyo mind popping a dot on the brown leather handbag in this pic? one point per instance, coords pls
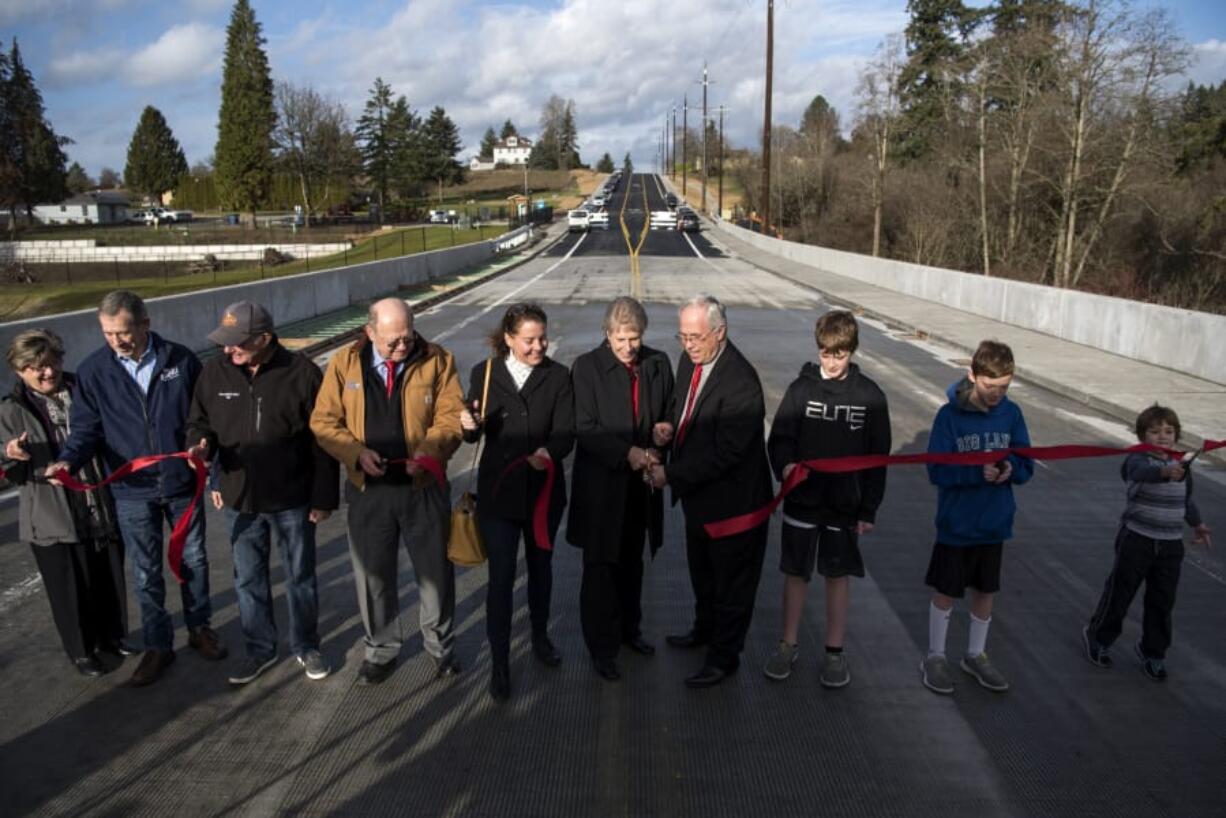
(465, 546)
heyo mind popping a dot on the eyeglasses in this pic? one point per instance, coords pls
(693, 338)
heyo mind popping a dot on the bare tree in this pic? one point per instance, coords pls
(315, 142)
(878, 114)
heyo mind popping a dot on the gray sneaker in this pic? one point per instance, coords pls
(251, 667)
(934, 670)
(984, 673)
(779, 667)
(835, 672)
(315, 665)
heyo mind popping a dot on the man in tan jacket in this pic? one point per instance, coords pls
(387, 399)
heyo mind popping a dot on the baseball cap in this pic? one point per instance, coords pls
(241, 322)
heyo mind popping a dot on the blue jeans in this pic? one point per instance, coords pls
(142, 522)
(250, 535)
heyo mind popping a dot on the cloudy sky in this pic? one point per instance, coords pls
(624, 62)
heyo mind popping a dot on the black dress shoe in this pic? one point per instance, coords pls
(371, 674)
(446, 668)
(89, 666)
(118, 647)
(500, 682)
(640, 646)
(686, 640)
(606, 669)
(545, 652)
(708, 676)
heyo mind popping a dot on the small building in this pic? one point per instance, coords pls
(477, 164)
(513, 150)
(95, 207)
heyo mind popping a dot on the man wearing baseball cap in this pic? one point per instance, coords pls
(251, 411)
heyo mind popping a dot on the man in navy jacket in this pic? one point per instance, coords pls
(131, 400)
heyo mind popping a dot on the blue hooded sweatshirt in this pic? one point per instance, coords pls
(970, 510)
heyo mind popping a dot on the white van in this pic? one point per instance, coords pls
(578, 221)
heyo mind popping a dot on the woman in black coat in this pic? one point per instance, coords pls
(622, 395)
(529, 413)
(73, 534)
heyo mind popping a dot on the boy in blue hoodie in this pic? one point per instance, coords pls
(974, 510)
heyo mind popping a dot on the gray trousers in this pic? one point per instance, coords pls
(381, 518)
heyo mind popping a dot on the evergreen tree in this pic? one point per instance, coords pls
(375, 140)
(605, 165)
(406, 142)
(568, 139)
(440, 144)
(487, 144)
(78, 180)
(1198, 129)
(508, 129)
(627, 165)
(33, 168)
(243, 160)
(155, 160)
(936, 45)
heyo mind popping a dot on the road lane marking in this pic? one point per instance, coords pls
(449, 332)
(16, 594)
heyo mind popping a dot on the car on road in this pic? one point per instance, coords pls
(162, 215)
(599, 200)
(444, 217)
(599, 218)
(578, 221)
(671, 200)
(688, 222)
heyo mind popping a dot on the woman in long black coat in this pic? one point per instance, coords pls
(529, 413)
(74, 535)
(622, 394)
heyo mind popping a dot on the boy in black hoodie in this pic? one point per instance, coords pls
(830, 410)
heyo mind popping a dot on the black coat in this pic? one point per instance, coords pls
(720, 469)
(517, 423)
(260, 430)
(605, 431)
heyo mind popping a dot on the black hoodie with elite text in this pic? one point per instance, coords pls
(819, 417)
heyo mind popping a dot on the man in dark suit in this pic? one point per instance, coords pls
(718, 469)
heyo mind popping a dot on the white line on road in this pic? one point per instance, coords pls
(445, 334)
(26, 588)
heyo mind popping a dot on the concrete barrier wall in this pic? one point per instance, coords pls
(1184, 340)
(190, 317)
(25, 251)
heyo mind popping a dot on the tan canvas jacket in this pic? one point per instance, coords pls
(430, 394)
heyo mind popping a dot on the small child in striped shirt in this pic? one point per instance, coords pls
(1149, 546)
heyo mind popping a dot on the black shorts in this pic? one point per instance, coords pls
(954, 568)
(836, 551)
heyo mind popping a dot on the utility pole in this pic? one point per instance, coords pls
(705, 154)
(720, 204)
(685, 138)
(766, 123)
(672, 161)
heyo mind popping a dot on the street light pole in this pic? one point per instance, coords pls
(766, 119)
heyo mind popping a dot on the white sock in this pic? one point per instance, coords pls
(938, 626)
(979, 635)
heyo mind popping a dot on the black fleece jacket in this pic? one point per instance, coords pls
(259, 431)
(827, 418)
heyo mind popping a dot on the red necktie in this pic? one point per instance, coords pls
(634, 391)
(390, 369)
(689, 402)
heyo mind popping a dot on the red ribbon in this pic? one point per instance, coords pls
(430, 464)
(540, 511)
(860, 462)
(178, 536)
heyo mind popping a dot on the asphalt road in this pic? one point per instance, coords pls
(1068, 739)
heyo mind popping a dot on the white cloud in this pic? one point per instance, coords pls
(84, 67)
(15, 11)
(182, 53)
(1208, 62)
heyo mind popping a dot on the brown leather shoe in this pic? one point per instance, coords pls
(206, 641)
(152, 663)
